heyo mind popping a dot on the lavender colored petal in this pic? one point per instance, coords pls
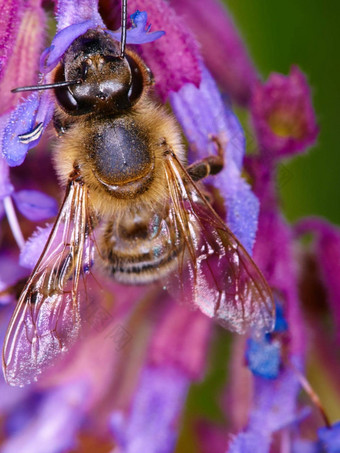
(61, 42)
(221, 46)
(34, 114)
(34, 205)
(241, 204)
(20, 121)
(45, 112)
(55, 426)
(152, 422)
(305, 446)
(34, 246)
(202, 116)
(283, 114)
(330, 438)
(274, 408)
(10, 273)
(70, 12)
(139, 32)
(172, 69)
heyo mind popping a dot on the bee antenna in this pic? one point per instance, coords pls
(47, 86)
(123, 28)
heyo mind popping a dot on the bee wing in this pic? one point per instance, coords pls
(215, 272)
(46, 320)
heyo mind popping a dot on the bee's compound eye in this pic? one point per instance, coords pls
(66, 99)
(137, 80)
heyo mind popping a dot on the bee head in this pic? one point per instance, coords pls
(107, 80)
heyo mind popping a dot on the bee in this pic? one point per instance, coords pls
(119, 155)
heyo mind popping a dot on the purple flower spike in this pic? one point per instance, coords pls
(10, 18)
(152, 422)
(327, 250)
(275, 408)
(70, 12)
(283, 114)
(139, 32)
(171, 69)
(20, 40)
(203, 116)
(35, 205)
(226, 57)
(181, 339)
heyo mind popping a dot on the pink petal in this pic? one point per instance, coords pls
(172, 69)
(283, 114)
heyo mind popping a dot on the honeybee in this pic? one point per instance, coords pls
(120, 157)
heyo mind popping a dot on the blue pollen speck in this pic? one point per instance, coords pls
(280, 322)
(263, 358)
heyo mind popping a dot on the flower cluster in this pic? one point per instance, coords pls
(130, 383)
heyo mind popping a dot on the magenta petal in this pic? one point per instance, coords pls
(181, 340)
(202, 116)
(24, 45)
(283, 114)
(152, 423)
(221, 46)
(327, 251)
(139, 33)
(172, 69)
(34, 205)
(10, 12)
(70, 12)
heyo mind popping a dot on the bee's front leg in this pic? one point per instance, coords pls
(210, 165)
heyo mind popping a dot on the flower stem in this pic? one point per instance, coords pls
(13, 222)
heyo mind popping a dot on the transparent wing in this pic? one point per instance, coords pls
(214, 271)
(46, 320)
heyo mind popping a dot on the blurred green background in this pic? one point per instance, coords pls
(303, 32)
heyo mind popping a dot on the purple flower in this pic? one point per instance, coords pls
(283, 114)
(171, 69)
(226, 57)
(130, 381)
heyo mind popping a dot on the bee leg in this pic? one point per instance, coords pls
(210, 165)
